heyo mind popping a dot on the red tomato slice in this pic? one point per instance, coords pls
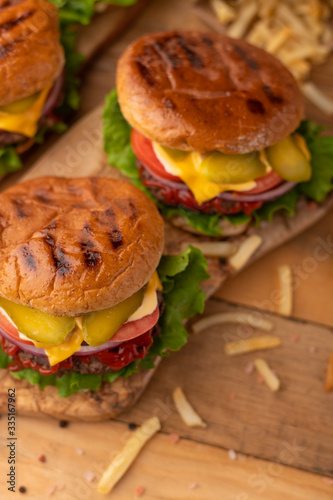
(133, 329)
(11, 330)
(143, 149)
(265, 183)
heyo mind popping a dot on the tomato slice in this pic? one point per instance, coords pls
(143, 149)
(265, 183)
(132, 329)
(11, 329)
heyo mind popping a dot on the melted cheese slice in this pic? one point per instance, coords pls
(72, 343)
(188, 169)
(24, 122)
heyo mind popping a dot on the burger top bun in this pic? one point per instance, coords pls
(71, 246)
(31, 56)
(205, 91)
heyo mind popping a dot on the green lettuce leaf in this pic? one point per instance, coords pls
(180, 276)
(321, 149)
(9, 160)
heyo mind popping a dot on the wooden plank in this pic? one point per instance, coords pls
(243, 414)
(166, 470)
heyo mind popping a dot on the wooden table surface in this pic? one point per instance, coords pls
(283, 441)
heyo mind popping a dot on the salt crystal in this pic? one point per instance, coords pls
(79, 451)
(139, 491)
(89, 476)
(312, 349)
(51, 490)
(249, 367)
(328, 480)
(192, 486)
(174, 438)
(232, 454)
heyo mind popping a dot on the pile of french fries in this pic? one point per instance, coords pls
(298, 32)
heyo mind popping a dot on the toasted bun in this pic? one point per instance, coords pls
(71, 246)
(205, 91)
(31, 56)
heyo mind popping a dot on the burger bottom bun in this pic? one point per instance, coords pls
(228, 229)
(89, 406)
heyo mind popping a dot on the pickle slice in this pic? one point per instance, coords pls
(289, 161)
(232, 169)
(100, 326)
(21, 105)
(38, 325)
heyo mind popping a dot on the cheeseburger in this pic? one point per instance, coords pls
(213, 123)
(31, 75)
(82, 295)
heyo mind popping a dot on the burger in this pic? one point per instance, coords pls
(31, 74)
(210, 127)
(86, 296)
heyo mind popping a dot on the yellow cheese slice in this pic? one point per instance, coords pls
(188, 169)
(60, 352)
(150, 300)
(25, 122)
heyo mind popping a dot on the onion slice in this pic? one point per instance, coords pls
(53, 95)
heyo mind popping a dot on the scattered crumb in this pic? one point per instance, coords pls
(89, 476)
(63, 423)
(294, 338)
(192, 486)
(42, 458)
(132, 426)
(249, 367)
(174, 438)
(22, 489)
(51, 489)
(328, 480)
(232, 454)
(79, 451)
(139, 491)
(312, 349)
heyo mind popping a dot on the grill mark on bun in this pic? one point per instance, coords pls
(256, 107)
(274, 98)
(5, 27)
(251, 63)
(145, 73)
(208, 41)
(192, 57)
(60, 260)
(19, 204)
(116, 238)
(43, 196)
(52, 225)
(169, 103)
(9, 3)
(172, 58)
(28, 257)
(8, 47)
(91, 257)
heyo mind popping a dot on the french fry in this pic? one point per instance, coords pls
(185, 410)
(219, 249)
(278, 40)
(225, 13)
(121, 463)
(315, 95)
(256, 321)
(245, 17)
(245, 251)
(253, 344)
(285, 304)
(268, 375)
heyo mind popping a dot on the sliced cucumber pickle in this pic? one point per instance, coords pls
(100, 326)
(175, 154)
(38, 325)
(289, 161)
(232, 169)
(21, 105)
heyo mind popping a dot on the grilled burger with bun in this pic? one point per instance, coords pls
(213, 127)
(31, 74)
(80, 297)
